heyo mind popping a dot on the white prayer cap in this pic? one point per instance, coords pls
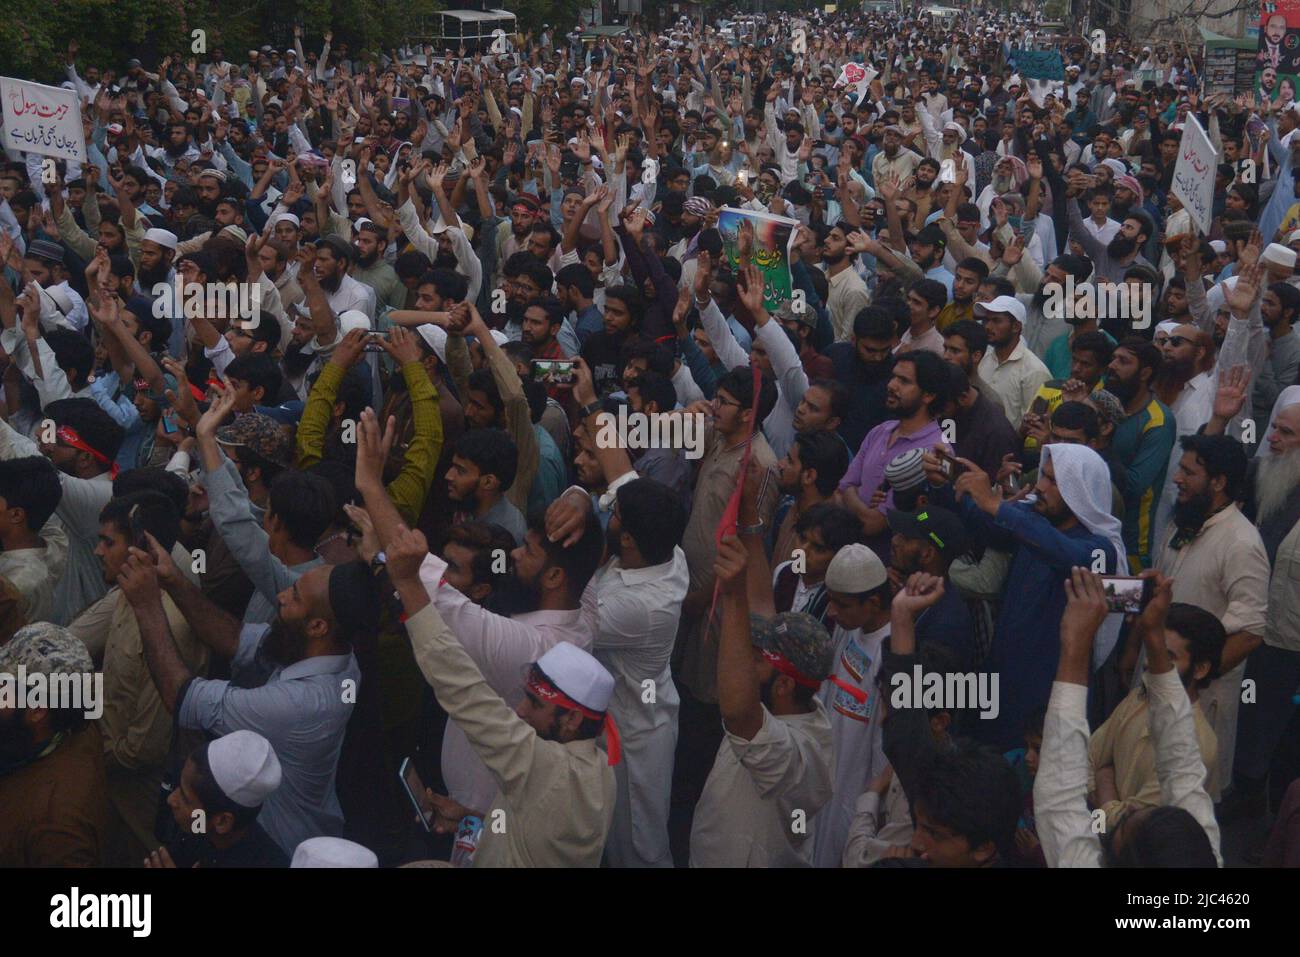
(214, 174)
(245, 767)
(1116, 167)
(1002, 304)
(353, 319)
(56, 306)
(1167, 327)
(332, 852)
(1278, 255)
(345, 322)
(1220, 247)
(436, 337)
(163, 237)
(580, 676)
(855, 569)
(1294, 237)
(955, 128)
(286, 217)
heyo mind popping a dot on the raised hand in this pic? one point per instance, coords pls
(372, 450)
(1234, 389)
(920, 592)
(750, 289)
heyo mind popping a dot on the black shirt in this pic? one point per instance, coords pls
(255, 850)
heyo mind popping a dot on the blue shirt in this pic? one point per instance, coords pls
(1026, 637)
(105, 391)
(302, 710)
(941, 274)
(239, 523)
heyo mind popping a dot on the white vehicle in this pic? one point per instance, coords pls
(478, 31)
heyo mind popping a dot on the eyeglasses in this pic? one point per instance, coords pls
(1177, 341)
(719, 400)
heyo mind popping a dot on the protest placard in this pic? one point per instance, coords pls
(42, 119)
(1193, 180)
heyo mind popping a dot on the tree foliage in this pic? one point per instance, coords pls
(111, 31)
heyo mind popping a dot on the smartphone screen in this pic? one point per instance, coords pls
(169, 421)
(1125, 594)
(947, 171)
(553, 371)
(414, 788)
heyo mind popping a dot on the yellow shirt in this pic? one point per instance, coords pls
(1124, 743)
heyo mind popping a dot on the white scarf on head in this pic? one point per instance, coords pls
(1288, 397)
(1084, 480)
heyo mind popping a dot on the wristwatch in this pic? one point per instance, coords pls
(591, 409)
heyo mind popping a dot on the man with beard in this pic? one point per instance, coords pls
(1009, 367)
(1218, 562)
(551, 576)
(927, 249)
(1189, 394)
(917, 391)
(276, 545)
(1280, 308)
(372, 269)
(1069, 524)
(1142, 442)
(633, 604)
(1273, 501)
(542, 763)
(541, 325)
(862, 367)
(52, 783)
(964, 345)
(294, 680)
(209, 189)
(893, 160)
(177, 148)
(1122, 774)
(848, 294)
(808, 476)
(929, 540)
(483, 468)
(342, 292)
(983, 433)
(1009, 176)
(137, 731)
(1112, 259)
(970, 272)
(513, 234)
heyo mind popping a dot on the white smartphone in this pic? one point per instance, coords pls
(414, 789)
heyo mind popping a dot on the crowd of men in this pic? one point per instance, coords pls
(304, 455)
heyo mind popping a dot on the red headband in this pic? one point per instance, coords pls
(548, 692)
(69, 437)
(783, 665)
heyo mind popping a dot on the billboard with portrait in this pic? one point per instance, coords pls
(1277, 64)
